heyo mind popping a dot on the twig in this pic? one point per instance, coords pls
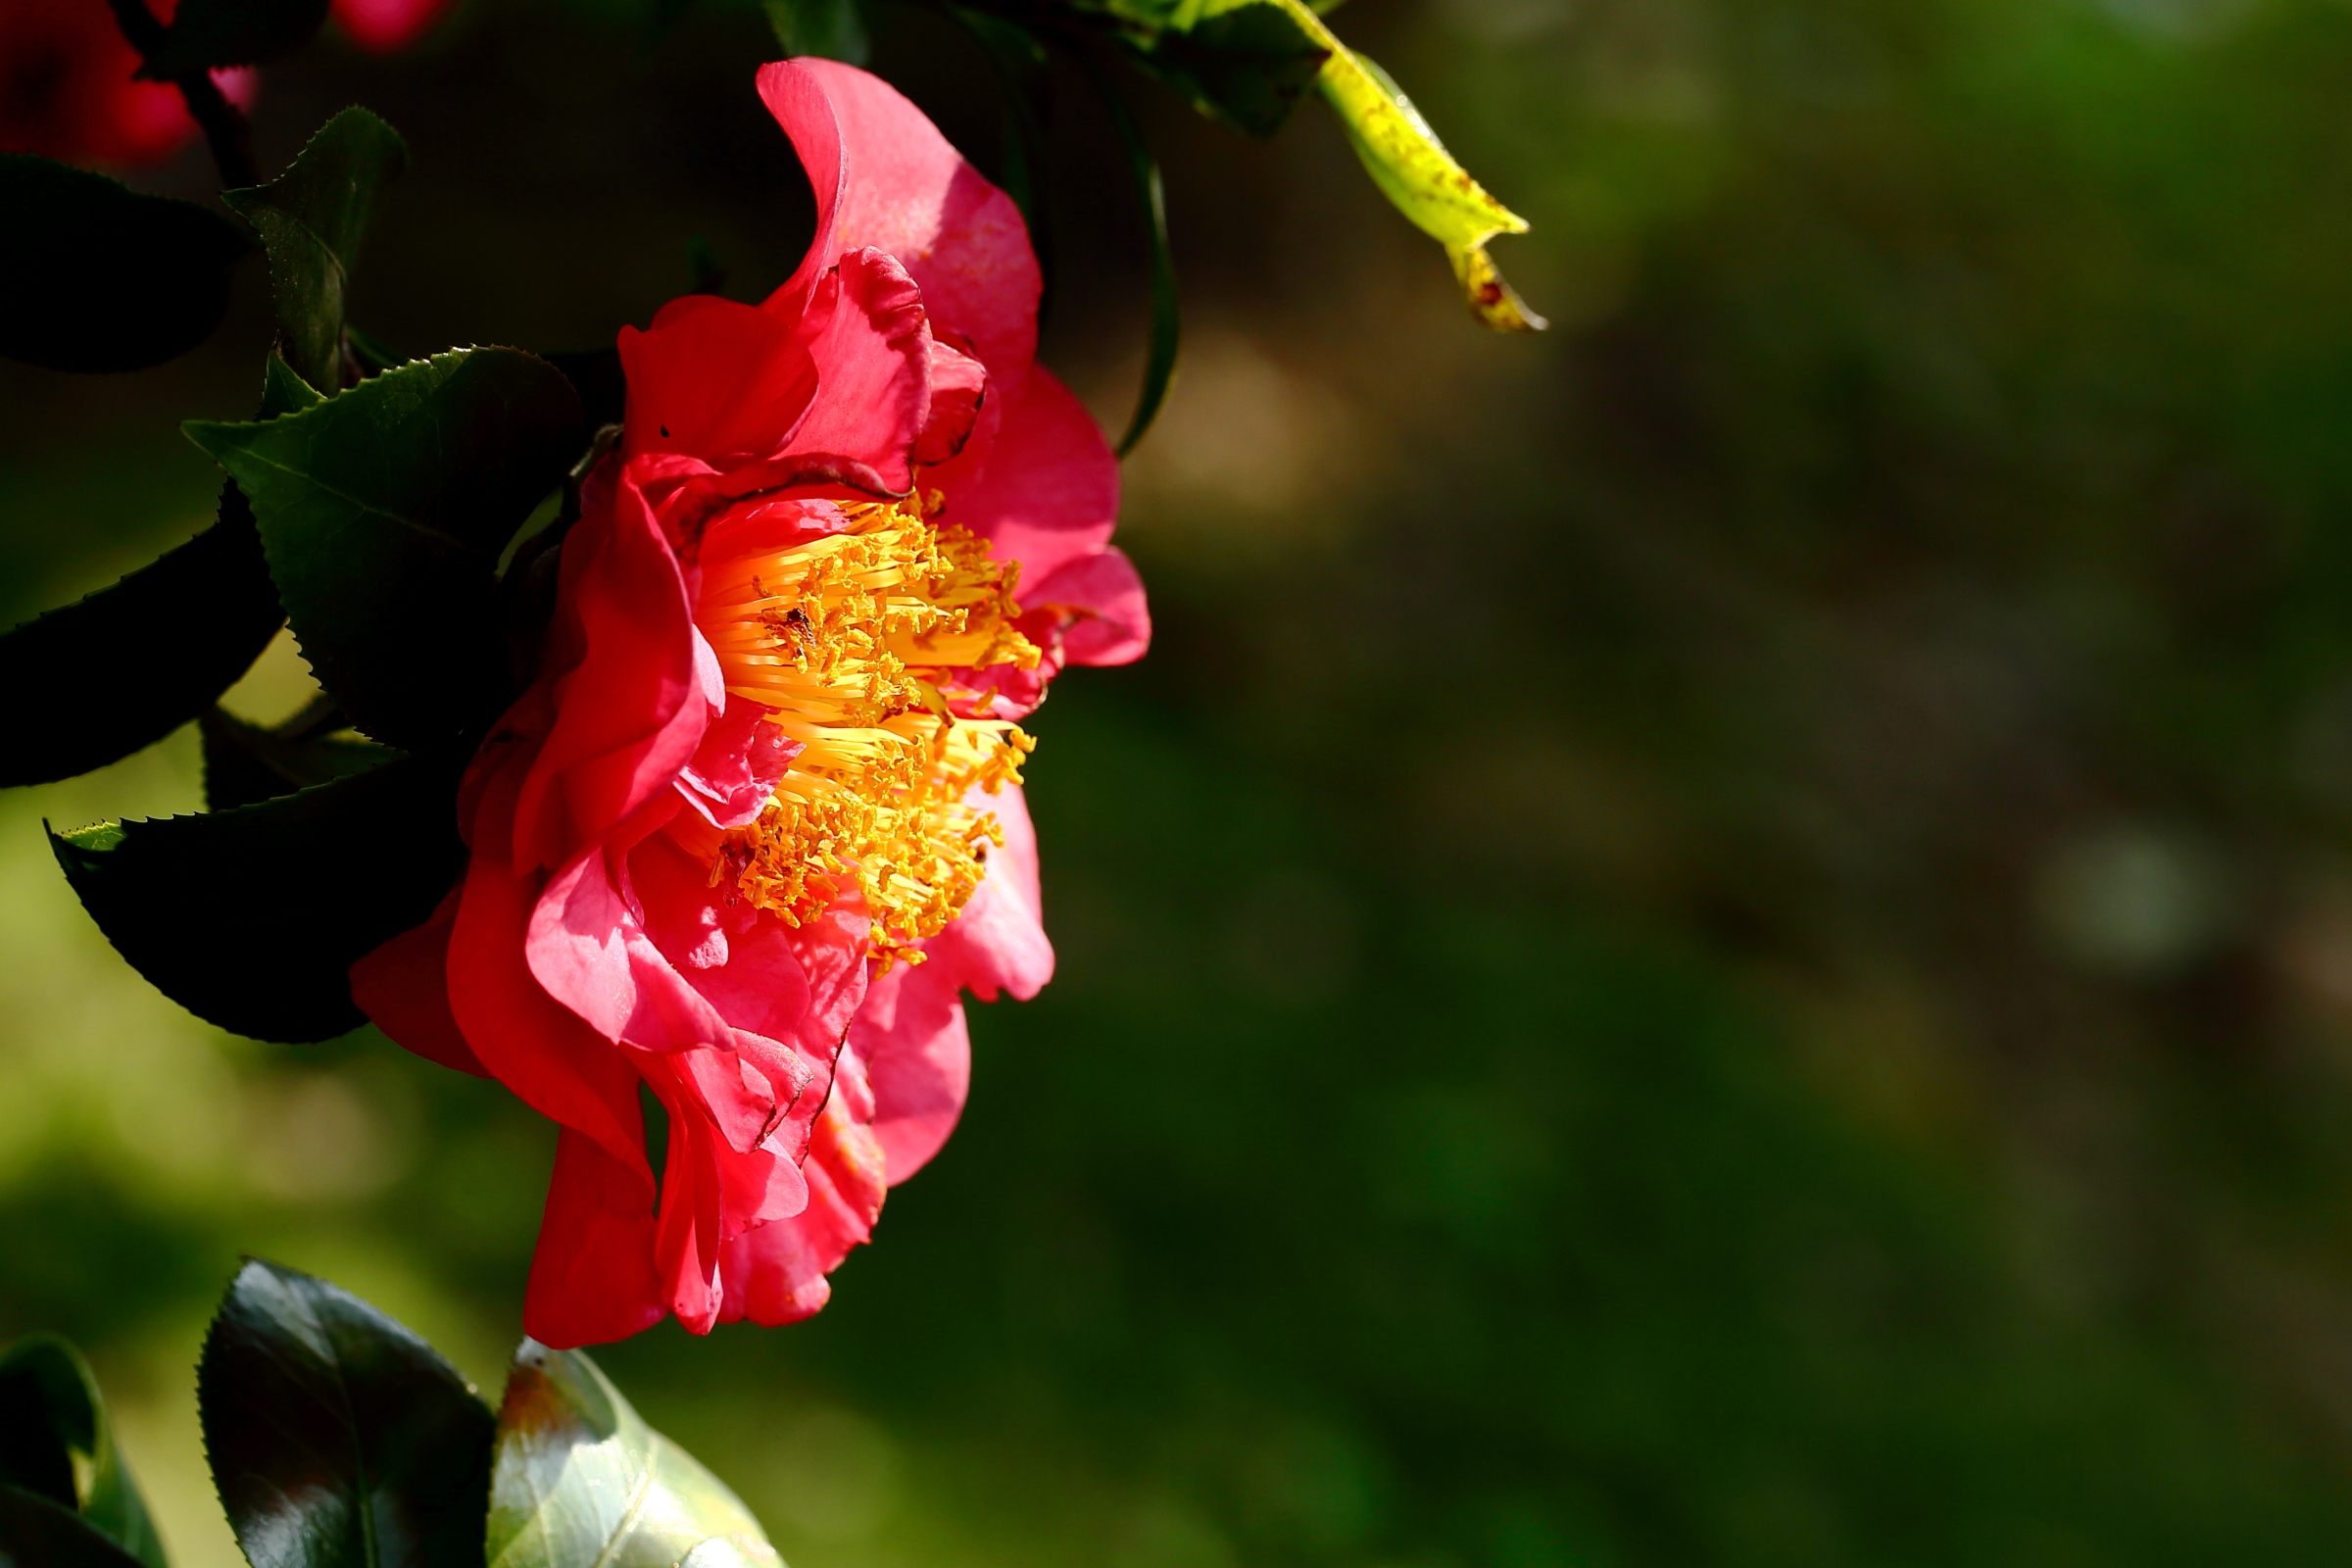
(223, 125)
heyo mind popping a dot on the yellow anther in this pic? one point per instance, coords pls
(848, 641)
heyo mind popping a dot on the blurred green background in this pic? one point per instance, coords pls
(1724, 937)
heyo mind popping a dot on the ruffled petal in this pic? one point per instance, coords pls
(736, 767)
(777, 1274)
(864, 331)
(959, 385)
(593, 1277)
(626, 698)
(884, 176)
(1099, 602)
(1048, 493)
(919, 1054)
(998, 944)
(724, 381)
(524, 1037)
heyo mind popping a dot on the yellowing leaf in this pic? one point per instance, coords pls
(1410, 165)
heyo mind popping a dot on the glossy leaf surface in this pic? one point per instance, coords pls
(205, 34)
(56, 1442)
(831, 28)
(312, 220)
(383, 512)
(596, 375)
(94, 277)
(252, 918)
(1018, 60)
(1247, 65)
(338, 1439)
(1159, 363)
(66, 677)
(246, 764)
(582, 1482)
(37, 1533)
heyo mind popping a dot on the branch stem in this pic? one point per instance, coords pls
(223, 125)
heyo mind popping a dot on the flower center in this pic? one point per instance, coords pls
(852, 641)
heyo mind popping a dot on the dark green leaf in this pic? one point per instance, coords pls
(1020, 62)
(338, 1438)
(582, 1482)
(283, 391)
(1160, 365)
(311, 219)
(94, 277)
(56, 1442)
(827, 28)
(374, 356)
(252, 918)
(37, 1533)
(383, 512)
(207, 35)
(245, 763)
(596, 375)
(1247, 66)
(92, 682)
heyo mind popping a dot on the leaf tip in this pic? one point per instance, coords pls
(1490, 298)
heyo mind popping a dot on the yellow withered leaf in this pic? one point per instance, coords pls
(1412, 168)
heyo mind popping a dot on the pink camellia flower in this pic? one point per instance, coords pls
(66, 87)
(759, 824)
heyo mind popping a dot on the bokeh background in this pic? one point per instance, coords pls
(1724, 937)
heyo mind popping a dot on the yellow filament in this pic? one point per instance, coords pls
(847, 640)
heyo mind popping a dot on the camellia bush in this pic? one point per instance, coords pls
(666, 766)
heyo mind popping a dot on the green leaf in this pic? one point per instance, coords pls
(582, 1482)
(1246, 65)
(252, 918)
(94, 277)
(1160, 365)
(338, 1439)
(283, 391)
(311, 219)
(246, 764)
(596, 375)
(37, 1533)
(1229, 57)
(92, 682)
(207, 35)
(1019, 62)
(384, 511)
(56, 1442)
(827, 28)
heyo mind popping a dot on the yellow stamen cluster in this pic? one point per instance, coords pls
(846, 640)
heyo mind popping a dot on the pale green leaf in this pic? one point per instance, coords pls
(580, 1481)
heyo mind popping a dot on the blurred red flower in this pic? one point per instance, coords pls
(759, 823)
(66, 87)
(386, 27)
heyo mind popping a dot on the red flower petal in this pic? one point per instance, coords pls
(1100, 599)
(1049, 491)
(387, 26)
(776, 1274)
(911, 1033)
(884, 176)
(593, 1278)
(629, 703)
(403, 986)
